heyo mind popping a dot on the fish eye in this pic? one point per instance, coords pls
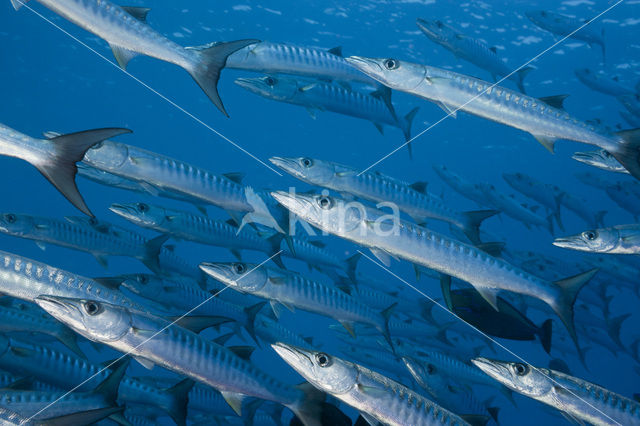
(543, 13)
(11, 218)
(590, 235)
(430, 369)
(521, 369)
(142, 207)
(439, 24)
(391, 64)
(93, 221)
(270, 81)
(607, 154)
(325, 203)
(323, 360)
(143, 279)
(239, 268)
(91, 307)
(307, 162)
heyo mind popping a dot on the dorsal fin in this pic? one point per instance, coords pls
(493, 49)
(336, 51)
(419, 186)
(556, 101)
(243, 352)
(140, 13)
(235, 177)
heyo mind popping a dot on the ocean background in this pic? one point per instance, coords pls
(51, 82)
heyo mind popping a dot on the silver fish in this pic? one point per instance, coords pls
(579, 399)
(489, 275)
(453, 91)
(125, 29)
(619, 239)
(56, 158)
(377, 187)
(81, 418)
(600, 159)
(547, 194)
(153, 340)
(379, 398)
(602, 83)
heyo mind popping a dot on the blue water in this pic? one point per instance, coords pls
(51, 82)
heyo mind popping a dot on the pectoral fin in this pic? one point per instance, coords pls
(123, 55)
(547, 142)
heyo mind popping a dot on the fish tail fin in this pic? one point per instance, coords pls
(310, 408)
(522, 73)
(628, 151)
(613, 328)
(473, 219)
(352, 264)
(544, 334)
(570, 287)
(179, 394)
(405, 125)
(70, 340)
(17, 4)
(152, 248)
(274, 241)
(60, 169)
(109, 386)
(212, 59)
(251, 312)
(600, 218)
(386, 315)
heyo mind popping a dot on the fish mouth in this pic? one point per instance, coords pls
(367, 65)
(298, 358)
(584, 157)
(289, 165)
(58, 307)
(246, 83)
(124, 210)
(294, 203)
(217, 271)
(570, 242)
(425, 26)
(497, 370)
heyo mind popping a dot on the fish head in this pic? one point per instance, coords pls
(597, 158)
(326, 372)
(142, 214)
(593, 240)
(243, 277)
(19, 224)
(330, 214)
(309, 170)
(276, 88)
(522, 378)
(145, 285)
(93, 319)
(107, 156)
(538, 17)
(436, 30)
(94, 223)
(584, 74)
(425, 374)
(391, 72)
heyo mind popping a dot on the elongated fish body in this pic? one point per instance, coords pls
(279, 58)
(66, 371)
(379, 188)
(175, 349)
(327, 97)
(489, 275)
(376, 359)
(603, 84)
(594, 179)
(272, 331)
(70, 235)
(168, 174)
(511, 207)
(28, 403)
(367, 391)
(295, 291)
(456, 91)
(600, 159)
(546, 194)
(578, 398)
(565, 26)
(128, 35)
(625, 196)
(462, 186)
(620, 239)
(470, 49)
(315, 254)
(26, 279)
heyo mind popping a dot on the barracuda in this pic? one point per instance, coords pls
(546, 194)
(580, 400)
(67, 371)
(379, 398)
(489, 275)
(56, 157)
(295, 291)
(602, 83)
(330, 97)
(170, 175)
(453, 91)
(181, 351)
(128, 35)
(81, 418)
(471, 49)
(620, 239)
(462, 186)
(374, 186)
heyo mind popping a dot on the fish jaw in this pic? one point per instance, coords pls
(573, 243)
(220, 272)
(64, 309)
(289, 165)
(298, 358)
(497, 370)
(369, 66)
(301, 205)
